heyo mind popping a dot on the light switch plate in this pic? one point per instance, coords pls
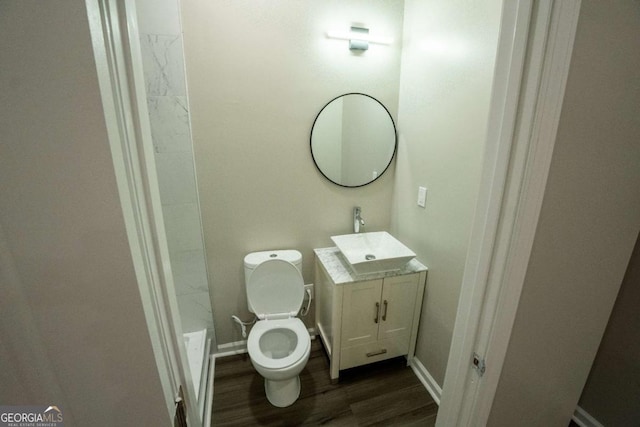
(422, 196)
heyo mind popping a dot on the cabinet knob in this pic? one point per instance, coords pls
(377, 313)
(384, 316)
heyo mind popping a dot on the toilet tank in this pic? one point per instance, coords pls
(252, 260)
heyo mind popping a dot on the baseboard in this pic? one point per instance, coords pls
(240, 347)
(584, 419)
(426, 379)
(231, 349)
(580, 416)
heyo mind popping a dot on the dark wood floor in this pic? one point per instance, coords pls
(385, 394)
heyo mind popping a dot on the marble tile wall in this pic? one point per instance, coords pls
(163, 61)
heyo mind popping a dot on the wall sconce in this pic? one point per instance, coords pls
(359, 38)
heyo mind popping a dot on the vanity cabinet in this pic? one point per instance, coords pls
(366, 319)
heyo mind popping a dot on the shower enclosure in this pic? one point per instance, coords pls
(160, 37)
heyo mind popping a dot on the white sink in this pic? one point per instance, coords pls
(374, 252)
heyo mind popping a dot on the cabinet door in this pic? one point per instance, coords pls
(361, 312)
(396, 313)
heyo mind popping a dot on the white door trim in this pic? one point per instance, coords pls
(532, 66)
(114, 35)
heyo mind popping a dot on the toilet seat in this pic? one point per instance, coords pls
(265, 326)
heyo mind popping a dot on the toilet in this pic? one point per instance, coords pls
(279, 343)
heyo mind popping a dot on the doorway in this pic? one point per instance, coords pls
(508, 101)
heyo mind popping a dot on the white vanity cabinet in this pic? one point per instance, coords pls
(366, 319)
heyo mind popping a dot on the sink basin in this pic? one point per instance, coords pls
(373, 252)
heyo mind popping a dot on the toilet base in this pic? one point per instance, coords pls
(282, 393)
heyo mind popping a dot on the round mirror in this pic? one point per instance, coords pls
(353, 140)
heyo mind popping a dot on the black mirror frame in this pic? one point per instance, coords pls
(395, 144)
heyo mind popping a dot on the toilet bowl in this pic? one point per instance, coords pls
(279, 351)
(279, 343)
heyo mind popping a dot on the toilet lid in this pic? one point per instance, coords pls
(276, 288)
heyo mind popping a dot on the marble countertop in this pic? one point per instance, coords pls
(341, 273)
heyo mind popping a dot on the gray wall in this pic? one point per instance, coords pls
(447, 70)
(588, 224)
(72, 327)
(612, 392)
(258, 76)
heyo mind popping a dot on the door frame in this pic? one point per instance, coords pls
(116, 49)
(534, 51)
(532, 65)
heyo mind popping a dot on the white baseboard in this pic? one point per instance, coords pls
(584, 419)
(426, 379)
(231, 348)
(240, 347)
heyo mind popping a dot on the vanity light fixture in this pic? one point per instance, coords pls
(359, 38)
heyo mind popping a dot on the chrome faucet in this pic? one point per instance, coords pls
(357, 219)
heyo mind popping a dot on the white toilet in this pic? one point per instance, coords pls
(279, 343)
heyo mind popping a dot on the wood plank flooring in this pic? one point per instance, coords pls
(383, 394)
